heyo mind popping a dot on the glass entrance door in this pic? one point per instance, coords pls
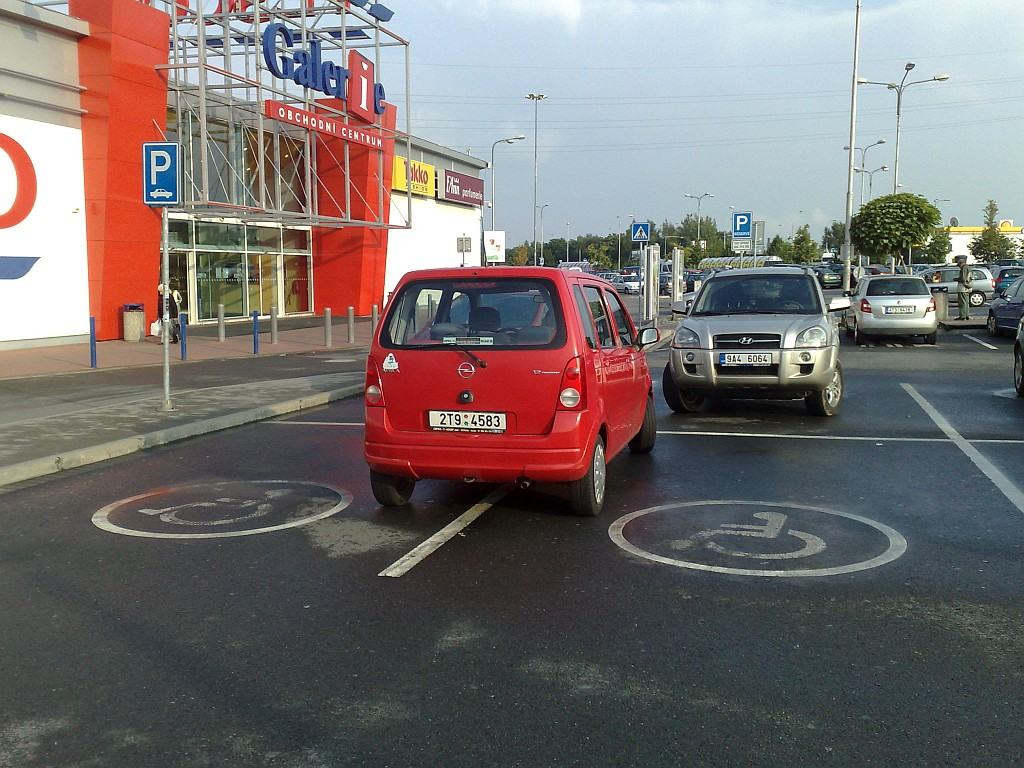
(262, 282)
(219, 280)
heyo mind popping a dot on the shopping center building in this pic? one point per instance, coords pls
(301, 186)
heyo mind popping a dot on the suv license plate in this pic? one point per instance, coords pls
(466, 421)
(745, 358)
(898, 310)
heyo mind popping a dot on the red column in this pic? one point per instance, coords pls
(124, 96)
(348, 263)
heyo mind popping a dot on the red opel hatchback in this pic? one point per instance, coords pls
(505, 374)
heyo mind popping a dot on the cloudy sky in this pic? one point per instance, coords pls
(648, 100)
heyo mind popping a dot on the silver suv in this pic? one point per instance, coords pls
(757, 333)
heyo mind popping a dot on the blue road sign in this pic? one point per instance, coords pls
(641, 231)
(742, 225)
(160, 177)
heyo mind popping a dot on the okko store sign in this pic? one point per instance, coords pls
(457, 187)
(43, 259)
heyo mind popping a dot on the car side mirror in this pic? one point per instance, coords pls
(847, 293)
(647, 336)
(839, 303)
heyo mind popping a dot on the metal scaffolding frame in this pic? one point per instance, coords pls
(238, 162)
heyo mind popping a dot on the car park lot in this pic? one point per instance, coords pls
(765, 588)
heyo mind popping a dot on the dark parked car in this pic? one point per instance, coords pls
(1007, 307)
(1006, 275)
(1018, 361)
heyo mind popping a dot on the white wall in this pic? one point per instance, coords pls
(52, 299)
(431, 242)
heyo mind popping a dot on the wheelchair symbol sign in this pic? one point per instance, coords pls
(735, 537)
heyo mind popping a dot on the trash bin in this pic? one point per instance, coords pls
(940, 294)
(133, 322)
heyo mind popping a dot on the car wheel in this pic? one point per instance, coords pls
(931, 338)
(587, 493)
(670, 390)
(643, 441)
(990, 325)
(390, 490)
(977, 299)
(1018, 372)
(826, 402)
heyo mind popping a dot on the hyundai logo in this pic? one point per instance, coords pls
(466, 370)
(746, 340)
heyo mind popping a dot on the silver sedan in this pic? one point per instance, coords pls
(892, 305)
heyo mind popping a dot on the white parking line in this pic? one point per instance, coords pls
(431, 545)
(807, 437)
(1001, 481)
(983, 343)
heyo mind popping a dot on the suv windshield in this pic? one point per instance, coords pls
(759, 294)
(503, 312)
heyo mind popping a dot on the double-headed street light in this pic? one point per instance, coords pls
(864, 163)
(698, 198)
(536, 98)
(871, 180)
(899, 88)
(509, 140)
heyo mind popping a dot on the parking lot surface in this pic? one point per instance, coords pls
(766, 588)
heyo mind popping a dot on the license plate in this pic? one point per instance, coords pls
(466, 421)
(745, 358)
(898, 310)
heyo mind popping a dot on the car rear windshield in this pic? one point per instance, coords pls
(896, 286)
(759, 294)
(478, 312)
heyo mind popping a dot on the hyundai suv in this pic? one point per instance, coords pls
(757, 333)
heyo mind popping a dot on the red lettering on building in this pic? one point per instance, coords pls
(24, 183)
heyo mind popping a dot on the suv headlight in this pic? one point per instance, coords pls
(815, 336)
(685, 338)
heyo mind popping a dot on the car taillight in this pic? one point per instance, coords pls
(865, 306)
(373, 393)
(572, 391)
(993, 283)
(930, 307)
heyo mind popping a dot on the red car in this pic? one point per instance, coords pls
(505, 374)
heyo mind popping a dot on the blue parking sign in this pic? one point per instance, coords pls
(160, 173)
(742, 225)
(641, 231)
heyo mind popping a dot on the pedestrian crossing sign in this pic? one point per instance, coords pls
(641, 231)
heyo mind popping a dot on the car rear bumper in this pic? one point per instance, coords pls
(897, 326)
(561, 455)
(793, 376)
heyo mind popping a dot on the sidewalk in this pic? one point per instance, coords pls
(57, 413)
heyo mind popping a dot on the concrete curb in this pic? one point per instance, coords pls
(48, 465)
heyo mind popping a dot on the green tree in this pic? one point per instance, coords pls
(598, 254)
(833, 237)
(937, 249)
(992, 244)
(519, 256)
(887, 226)
(783, 249)
(804, 249)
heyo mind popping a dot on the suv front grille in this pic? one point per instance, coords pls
(757, 341)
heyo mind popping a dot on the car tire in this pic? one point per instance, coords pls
(931, 338)
(1018, 371)
(391, 490)
(587, 493)
(990, 325)
(671, 391)
(977, 299)
(827, 401)
(643, 441)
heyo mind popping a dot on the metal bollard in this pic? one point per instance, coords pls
(273, 325)
(92, 342)
(220, 322)
(183, 334)
(328, 330)
(374, 317)
(351, 325)
(255, 333)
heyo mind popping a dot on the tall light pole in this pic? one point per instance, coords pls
(567, 241)
(863, 162)
(847, 246)
(619, 227)
(536, 98)
(903, 84)
(509, 140)
(698, 198)
(535, 262)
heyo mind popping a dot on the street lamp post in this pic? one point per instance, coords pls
(509, 140)
(698, 198)
(863, 163)
(536, 98)
(535, 262)
(567, 241)
(847, 245)
(871, 179)
(903, 84)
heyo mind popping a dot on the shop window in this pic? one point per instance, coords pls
(230, 237)
(220, 279)
(263, 238)
(179, 233)
(296, 240)
(296, 284)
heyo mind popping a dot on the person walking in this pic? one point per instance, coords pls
(173, 307)
(963, 290)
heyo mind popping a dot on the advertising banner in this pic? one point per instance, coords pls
(460, 188)
(421, 174)
(494, 246)
(44, 273)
